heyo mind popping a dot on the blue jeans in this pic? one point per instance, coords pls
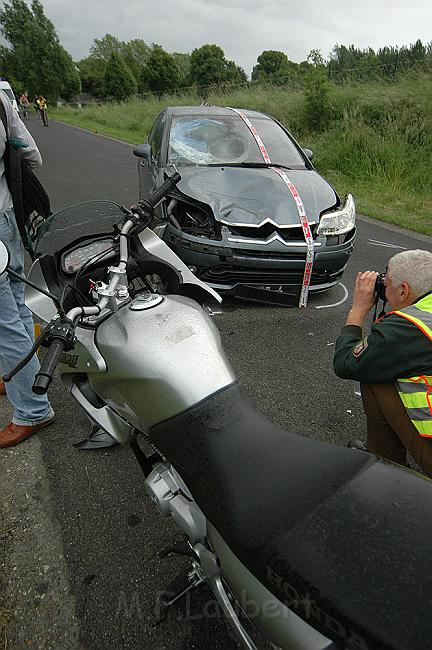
(17, 333)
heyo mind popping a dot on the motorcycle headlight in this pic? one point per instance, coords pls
(340, 221)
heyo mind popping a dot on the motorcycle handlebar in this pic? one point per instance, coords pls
(156, 196)
(61, 334)
(45, 375)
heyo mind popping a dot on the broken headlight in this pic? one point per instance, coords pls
(195, 220)
(339, 221)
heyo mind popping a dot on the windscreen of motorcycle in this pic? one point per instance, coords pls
(76, 221)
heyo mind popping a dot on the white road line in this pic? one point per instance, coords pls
(335, 304)
(375, 242)
(93, 132)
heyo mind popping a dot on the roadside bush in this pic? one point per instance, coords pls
(317, 100)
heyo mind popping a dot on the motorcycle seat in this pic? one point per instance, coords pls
(341, 537)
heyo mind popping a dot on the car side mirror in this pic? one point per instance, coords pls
(143, 151)
(309, 154)
(4, 257)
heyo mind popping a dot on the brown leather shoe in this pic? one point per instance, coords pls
(2, 387)
(15, 433)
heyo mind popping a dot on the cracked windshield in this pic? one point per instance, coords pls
(223, 140)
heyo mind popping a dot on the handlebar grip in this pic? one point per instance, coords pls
(45, 375)
(166, 186)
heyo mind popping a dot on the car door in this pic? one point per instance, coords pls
(150, 168)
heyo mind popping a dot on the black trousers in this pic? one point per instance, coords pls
(390, 432)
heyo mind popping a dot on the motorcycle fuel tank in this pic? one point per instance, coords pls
(160, 360)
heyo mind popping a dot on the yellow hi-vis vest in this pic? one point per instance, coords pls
(416, 392)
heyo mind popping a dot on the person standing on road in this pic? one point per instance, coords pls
(394, 363)
(31, 412)
(36, 107)
(43, 108)
(24, 106)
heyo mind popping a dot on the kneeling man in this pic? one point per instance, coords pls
(394, 362)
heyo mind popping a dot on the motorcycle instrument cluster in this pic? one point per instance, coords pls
(73, 260)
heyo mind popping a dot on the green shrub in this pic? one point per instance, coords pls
(317, 99)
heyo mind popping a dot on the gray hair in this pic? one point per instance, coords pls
(413, 267)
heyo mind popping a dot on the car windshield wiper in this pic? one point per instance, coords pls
(253, 165)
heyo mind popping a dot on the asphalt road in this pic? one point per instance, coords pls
(79, 531)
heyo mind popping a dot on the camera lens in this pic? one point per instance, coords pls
(379, 286)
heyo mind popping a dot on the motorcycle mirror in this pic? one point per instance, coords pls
(4, 257)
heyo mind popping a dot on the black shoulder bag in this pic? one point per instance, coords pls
(30, 200)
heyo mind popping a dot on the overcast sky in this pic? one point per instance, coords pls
(243, 28)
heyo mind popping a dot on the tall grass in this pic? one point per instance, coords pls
(378, 143)
(379, 146)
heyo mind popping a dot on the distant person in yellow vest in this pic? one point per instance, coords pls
(394, 362)
(43, 108)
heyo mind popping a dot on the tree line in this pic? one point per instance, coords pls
(354, 64)
(34, 60)
(117, 69)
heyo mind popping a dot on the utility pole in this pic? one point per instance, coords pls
(395, 64)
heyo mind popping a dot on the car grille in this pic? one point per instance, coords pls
(224, 274)
(293, 255)
(267, 230)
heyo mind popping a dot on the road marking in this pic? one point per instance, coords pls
(403, 232)
(93, 132)
(375, 242)
(335, 304)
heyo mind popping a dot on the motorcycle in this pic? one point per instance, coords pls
(305, 545)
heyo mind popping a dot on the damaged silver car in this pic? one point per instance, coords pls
(233, 218)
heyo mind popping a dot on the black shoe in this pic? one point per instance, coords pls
(357, 444)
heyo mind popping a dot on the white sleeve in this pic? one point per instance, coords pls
(18, 131)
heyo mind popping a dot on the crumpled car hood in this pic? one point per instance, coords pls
(251, 196)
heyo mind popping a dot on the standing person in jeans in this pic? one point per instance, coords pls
(31, 412)
(394, 362)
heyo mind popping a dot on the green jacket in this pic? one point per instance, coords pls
(394, 348)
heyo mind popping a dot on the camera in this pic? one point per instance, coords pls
(379, 286)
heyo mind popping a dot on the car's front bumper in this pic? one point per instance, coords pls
(225, 264)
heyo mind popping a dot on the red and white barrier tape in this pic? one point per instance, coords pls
(307, 233)
(255, 134)
(307, 275)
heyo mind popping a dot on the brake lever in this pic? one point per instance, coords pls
(36, 345)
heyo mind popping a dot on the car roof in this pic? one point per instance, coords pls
(212, 110)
